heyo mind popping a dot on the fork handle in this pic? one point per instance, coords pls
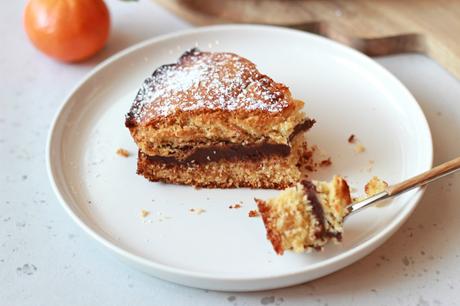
(425, 178)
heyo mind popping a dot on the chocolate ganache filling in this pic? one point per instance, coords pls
(250, 152)
(318, 212)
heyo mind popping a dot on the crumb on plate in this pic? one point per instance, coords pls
(235, 206)
(325, 163)
(144, 213)
(314, 158)
(197, 211)
(123, 152)
(253, 213)
(352, 138)
(359, 148)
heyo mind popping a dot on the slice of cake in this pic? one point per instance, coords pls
(213, 120)
(306, 216)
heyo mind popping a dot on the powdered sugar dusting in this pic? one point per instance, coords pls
(205, 80)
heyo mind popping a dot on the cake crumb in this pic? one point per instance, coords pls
(326, 162)
(197, 211)
(374, 186)
(352, 138)
(253, 213)
(123, 152)
(144, 213)
(359, 148)
(313, 158)
(235, 206)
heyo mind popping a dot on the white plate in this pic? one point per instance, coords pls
(223, 248)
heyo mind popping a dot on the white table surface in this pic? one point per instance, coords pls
(45, 259)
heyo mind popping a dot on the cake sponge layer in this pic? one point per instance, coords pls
(272, 172)
(204, 130)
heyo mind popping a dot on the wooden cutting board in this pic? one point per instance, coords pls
(375, 27)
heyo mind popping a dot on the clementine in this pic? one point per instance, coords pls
(68, 30)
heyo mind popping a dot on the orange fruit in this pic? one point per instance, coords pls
(68, 30)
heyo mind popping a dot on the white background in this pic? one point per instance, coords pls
(45, 259)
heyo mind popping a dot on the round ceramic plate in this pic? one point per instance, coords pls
(221, 248)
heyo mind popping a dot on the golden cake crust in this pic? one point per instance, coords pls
(207, 82)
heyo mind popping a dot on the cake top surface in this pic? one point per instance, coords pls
(206, 81)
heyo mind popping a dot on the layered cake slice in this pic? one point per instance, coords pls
(213, 120)
(306, 216)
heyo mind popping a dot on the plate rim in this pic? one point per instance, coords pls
(362, 249)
